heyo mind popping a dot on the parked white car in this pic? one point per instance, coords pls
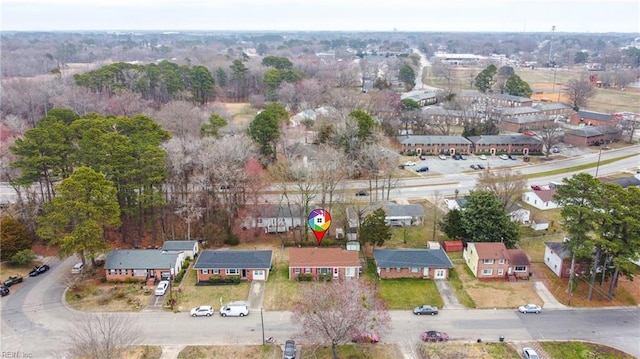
(530, 308)
(483, 157)
(504, 157)
(77, 268)
(442, 157)
(162, 287)
(235, 309)
(202, 311)
(409, 163)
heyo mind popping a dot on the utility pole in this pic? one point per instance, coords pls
(170, 293)
(262, 322)
(571, 276)
(553, 29)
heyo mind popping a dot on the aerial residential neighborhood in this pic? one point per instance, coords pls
(479, 193)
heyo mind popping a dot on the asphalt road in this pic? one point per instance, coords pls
(36, 322)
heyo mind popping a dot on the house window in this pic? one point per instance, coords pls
(521, 268)
(307, 270)
(501, 261)
(487, 271)
(232, 271)
(487, 261)
(216, 271)
(398, 269)
(387, 270)
(112, 272)
(500, 271)
(350, 272)
(204, 271)
(296, 270)
(414, 269)
(324, 270)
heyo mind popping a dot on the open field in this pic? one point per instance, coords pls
(142, 352)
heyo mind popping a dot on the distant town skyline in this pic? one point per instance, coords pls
(581, 16)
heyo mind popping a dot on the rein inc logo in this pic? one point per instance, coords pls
(319, 222)
(17, 354)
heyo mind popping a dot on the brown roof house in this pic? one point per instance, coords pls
(493, 261)
(317, 263)
(412, 263)
(541, 199)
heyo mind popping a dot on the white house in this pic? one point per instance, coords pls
(519, 214)
(540, 199)
(189, 248)
(275, 218)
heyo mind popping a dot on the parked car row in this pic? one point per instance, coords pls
(233, 309)
(477, 167)
(12, 280)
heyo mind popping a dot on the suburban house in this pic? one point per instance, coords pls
(513, 144)
(332, 262)
(275, 218)
(624, 182)
(592, 136)
(412, 263)
(423, 98)
(519, 214)
(190, 248)
(404, 214)
(591, 118)
(457, 203)
(558, 259)
(143, 264)
(247, 264)
(492, 260)
(540, 198)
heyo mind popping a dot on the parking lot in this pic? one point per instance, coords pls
(450, 165)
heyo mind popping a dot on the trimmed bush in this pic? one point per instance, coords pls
(324, 277)
(305, 277)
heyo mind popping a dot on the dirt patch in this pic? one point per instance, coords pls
(91, 296)
(143, 352)
(228, 351)
(470, 350)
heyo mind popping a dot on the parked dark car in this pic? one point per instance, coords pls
(38, 270)
(4, 290)
(12, 280)
(475, 167)
(425, 310)
(536, 187)
(289, 349)
(480, 167)
(512, 157)
(361, 193)
(434, 336)
(422, 169)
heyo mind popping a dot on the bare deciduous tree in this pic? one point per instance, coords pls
(579, 91)
(505, 184)
(551, 134)
(333, 312)
(102, 336)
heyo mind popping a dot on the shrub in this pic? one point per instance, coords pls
(324, 277)
(304, 277)
(23, 257)
(130, 280)
(232, 240)
(232, 279)
(215, 279)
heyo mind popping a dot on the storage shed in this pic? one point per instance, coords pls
(453, 246)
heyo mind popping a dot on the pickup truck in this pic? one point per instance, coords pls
(12, 280)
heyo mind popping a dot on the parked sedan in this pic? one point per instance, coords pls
(483, 157)
(4, 290)
(290, 349)
(529, 353)
(361, 194)
(434, 336)
(422, 169)
(530, 308)
(162, 287)
(37, 270)
(426, 310)
(504, 157)
(409, 163)
(12, 280)
(442, 157)
(202, 311)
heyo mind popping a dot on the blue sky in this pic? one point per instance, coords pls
(317, 15)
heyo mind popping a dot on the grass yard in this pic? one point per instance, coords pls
(469, 350)
(496, 294)
(534, 246)
(142, 352)
(576, 168)
(458, 287)
(581, 350)
(407, 293)
(351, 351)
(188, 295)
(281, 293)
(107, 297)
(8, 269)
(231, 351)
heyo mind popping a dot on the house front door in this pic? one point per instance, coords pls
(439, 274)
(425, 272)
(244, 274)
(336, 272)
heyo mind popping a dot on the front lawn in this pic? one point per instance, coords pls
(231, 351)
(582, 350)
(469, 350)
(188, 295)
(407, 293)
(281, 293)
(351, 351)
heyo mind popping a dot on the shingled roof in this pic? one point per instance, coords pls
(222, 259)
(407, 258)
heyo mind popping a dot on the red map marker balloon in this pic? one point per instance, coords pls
(319, 222)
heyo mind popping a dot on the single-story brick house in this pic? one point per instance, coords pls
(558, 259)
(492, 260)
(247, 264)
(316, 261)
(190, 248)
(412, 263)
(404, 214)
(142, 264)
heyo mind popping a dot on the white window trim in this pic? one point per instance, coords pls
(487, 261)
(501, 261)
(204, 271)
(522, 269)
(232, 271)
(296, 270)
(216, 271)
(487, 272)
(500, 271)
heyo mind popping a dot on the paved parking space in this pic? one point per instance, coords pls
(448, 166)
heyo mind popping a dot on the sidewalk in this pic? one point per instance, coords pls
(550, 302)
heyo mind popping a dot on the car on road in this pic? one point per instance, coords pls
(555, 150)
(463, 157)
(535, 187)
(37, 270)
(77, 268)
(475, 167)
(434, 336)
(480, 167)
(457, 157)
(425, 310)
(4, 290)
(361, 193)
(530, 308)
(422, 169)
(483, 157)
(409, 163)
(202, 311)
(162, 287)
(512, 157)
(504, 157)
(290, 349)
(528, 133)
(442, 157)
(12, 280)
(365, 337)
(529, 353)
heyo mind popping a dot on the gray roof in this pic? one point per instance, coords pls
(503, 96)
(403, 210)
(140, 259)
(586, 131)
(178, 245)
(428, 140)
(223, 259)
(504, 140)
(595, 115)
(626, 181)
(406, 258)
(549, 106)
(558, 248)
(517, 110)
(527, 119)
(279, 211)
